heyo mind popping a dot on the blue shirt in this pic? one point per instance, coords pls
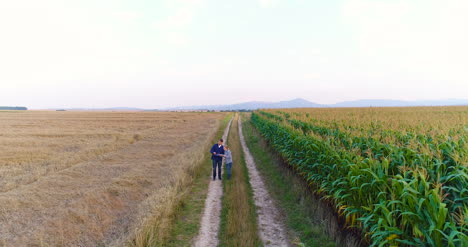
(219, 150)
(228, 156)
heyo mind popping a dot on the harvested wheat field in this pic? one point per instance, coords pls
(93, 178)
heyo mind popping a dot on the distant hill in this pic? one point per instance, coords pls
(302, 103)
(295, 103)
(253, 105)
(13, 108)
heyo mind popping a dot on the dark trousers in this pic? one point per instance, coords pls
(217, 163)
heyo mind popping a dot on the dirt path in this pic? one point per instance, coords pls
(272, 232)
(208, 235)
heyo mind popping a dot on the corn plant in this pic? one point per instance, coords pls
(395, 194)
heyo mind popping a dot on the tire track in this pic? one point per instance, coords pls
(272, 231)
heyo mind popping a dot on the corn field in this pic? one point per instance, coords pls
(399, 175)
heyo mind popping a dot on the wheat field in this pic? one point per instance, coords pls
(93, 178)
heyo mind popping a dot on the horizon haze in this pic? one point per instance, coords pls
(293, 103)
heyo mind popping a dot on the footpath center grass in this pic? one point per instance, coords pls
(238, 216)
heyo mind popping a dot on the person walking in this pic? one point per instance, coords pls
(228, 160)
(217, 152)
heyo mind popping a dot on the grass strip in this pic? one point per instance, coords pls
(294, 199)
(238, 215)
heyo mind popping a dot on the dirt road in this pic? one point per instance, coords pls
(208, 235)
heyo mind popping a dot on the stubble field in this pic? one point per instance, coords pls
(93, 178)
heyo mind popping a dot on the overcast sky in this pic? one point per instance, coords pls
(159, 53)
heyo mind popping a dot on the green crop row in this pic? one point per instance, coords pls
(396, 197)
(445, 168)
(428, 121)
(376, 130)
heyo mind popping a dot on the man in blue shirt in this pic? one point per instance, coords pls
(216, 156)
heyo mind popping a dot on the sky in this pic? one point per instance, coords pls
(164, 53)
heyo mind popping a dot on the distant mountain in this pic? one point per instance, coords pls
(302, 103)
(295, 103)
(253, 105)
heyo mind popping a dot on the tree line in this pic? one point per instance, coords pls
(14, 108)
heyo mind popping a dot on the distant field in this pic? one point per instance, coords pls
(90, 178)
(399, 175)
